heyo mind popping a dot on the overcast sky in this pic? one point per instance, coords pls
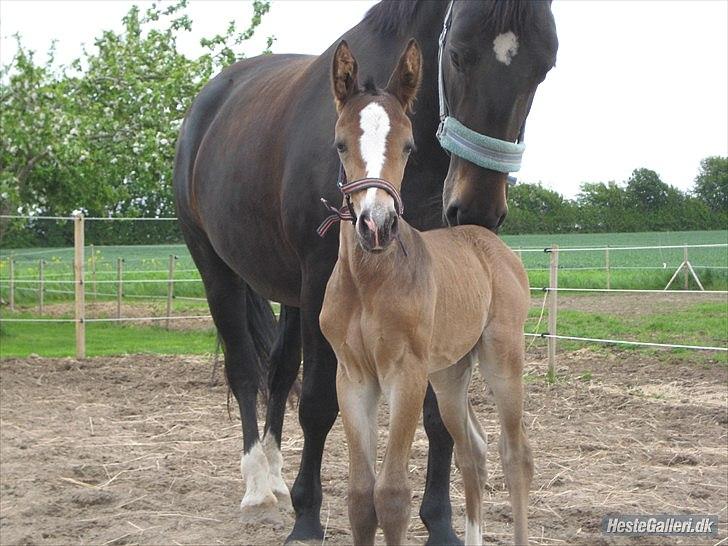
(637, 83)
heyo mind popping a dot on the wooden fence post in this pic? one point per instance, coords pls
(11, 273)
(609, 273)
(93, 271)
(78, 258)
(170, 287)
(685, 267)
(119, 285)
(41, 285)
(553, 294)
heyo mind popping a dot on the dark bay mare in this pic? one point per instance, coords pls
(255, 154)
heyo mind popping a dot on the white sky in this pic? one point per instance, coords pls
(637, 83)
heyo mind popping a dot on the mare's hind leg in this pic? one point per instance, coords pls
(451, 387)
(436, 508)
(285, 361)
(502, 367)
(358, 394)
(232, 305)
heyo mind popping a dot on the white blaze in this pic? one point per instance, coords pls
(505, 47)
(374, 123)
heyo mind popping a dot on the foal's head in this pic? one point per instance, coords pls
(374, 138)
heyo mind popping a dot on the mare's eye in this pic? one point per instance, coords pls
(455, 59)
(340, 147)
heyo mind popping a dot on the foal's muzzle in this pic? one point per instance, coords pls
(377, 228)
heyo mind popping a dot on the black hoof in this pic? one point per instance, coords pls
(306, 529)
(446, 537)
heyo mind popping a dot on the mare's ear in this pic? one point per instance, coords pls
(405, 80)
(343, 75)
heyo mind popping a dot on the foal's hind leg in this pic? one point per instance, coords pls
(502, 367)
(285, 361)
(451, 387)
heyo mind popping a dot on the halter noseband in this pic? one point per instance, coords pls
(347, 188)
(483, 150)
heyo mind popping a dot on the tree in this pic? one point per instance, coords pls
(711, 184)
(99, 136)
(645, 190)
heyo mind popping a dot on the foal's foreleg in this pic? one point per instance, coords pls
(451, 387)
(405, 388)
(502, 368)
(358, 395)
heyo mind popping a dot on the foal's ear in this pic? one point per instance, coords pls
(405, 80)
(343, 75)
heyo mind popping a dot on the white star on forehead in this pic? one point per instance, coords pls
(505, 47)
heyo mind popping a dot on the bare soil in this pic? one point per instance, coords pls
(627, 303)
(140, 450)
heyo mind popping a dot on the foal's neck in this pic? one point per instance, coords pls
(374, 269)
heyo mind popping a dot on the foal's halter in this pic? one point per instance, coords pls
(347, 188)
(483, 150)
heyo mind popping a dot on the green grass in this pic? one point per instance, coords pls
(702, 324)
(576, 269)
(57, 340)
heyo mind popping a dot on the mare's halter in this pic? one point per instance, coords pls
(347, 188)
(483, 150)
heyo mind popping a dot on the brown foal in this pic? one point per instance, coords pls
(428, 308)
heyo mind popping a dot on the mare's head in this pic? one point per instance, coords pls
(495, 55)
(374, 138)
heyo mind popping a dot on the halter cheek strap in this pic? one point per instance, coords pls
(346, 213)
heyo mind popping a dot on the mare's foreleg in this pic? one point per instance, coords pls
(502, 367)
(451, 387)
(405, 388)
(317, 411)
(358, 394)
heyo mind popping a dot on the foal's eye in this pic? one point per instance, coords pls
(340, 147)
(409, 148)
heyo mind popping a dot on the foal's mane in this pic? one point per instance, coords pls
(394, 16)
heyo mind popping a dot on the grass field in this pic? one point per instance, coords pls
(145, 268)
(145, 273)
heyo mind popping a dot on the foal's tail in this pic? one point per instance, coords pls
(262, 325)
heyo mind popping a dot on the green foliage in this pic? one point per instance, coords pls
(99, 136)
(711, 184)
(643, 203)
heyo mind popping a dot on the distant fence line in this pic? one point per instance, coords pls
(551, 291)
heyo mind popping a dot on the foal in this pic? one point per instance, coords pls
(431, 307)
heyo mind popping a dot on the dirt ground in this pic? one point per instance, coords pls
(140, 450)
